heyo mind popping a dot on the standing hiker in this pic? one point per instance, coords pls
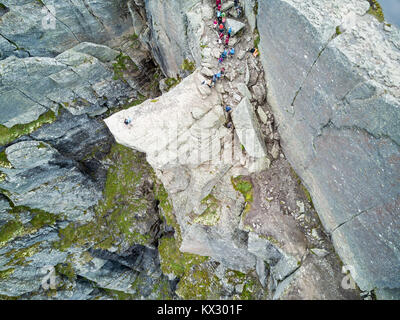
(127, 121)
(232, 51)
(227, 40)
(217, 3)
(224, 54)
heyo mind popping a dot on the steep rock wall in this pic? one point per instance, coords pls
(333, 77)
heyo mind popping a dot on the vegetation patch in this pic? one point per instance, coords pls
(66, 269)
(174, 261)
(43, 218)
(122, 65)
(118, 214)
(199, 284)
(171, 83)
(10, 230)
(4, 274)
(8, 135)
(19, 256)
(211, 214)
(375, 9)
(245, 187)
(188, 65)
(4, 163)
(166, 207)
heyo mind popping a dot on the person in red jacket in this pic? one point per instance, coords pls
(227, 40)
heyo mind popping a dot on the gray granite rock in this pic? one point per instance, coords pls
(336, 109)
(29, 25)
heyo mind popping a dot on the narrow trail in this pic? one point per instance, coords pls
(233, 85)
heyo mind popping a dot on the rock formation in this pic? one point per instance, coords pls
(334, 89)
(189, 201)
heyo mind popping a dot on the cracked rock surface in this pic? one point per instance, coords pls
(334, 90)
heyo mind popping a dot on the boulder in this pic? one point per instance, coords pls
(236, 26)
(248, 129)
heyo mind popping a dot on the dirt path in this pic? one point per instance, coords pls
(233, 85)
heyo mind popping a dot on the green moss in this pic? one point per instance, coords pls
(134, 39)
(4, 160)
(162, 290)
(165, 204)
(3, 297)
(235, 277)
(375, 9)
(188, 65)
(249, 290)
(199, 284)
(171, 82)
(43, 218)
(5, 274)
(338, 31)
(66, 269)
(8, 135)
(123, 65)
(118, 214)
(175, 262)
(10, 230)
(211, 214)
(42, 146)
(19, 256)
(246, 189)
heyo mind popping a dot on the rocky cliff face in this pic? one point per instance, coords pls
(183, 206)
(71, 208)
(236, 204)
(334, 87)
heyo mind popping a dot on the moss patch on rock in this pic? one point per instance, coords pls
(211, 214)
(188, 65)
(244, 186)
(174, 261)
(199, 284)
(18, 257)
(123, 64)
(4, 163)
(66, 269)
(116, 216)
(10, 231)
(5, 274)
(375, 9)
(8, 135)
(171, 83)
